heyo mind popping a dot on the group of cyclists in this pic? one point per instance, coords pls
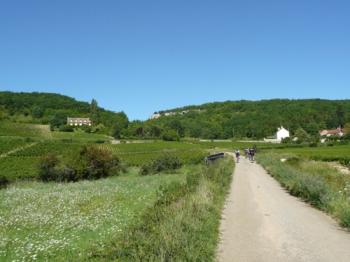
(249, 153)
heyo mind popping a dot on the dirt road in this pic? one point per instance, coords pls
(262, 222)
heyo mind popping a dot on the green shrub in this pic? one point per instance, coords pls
(91, 163)
(293, 160)
(3, 182)
(170, 135)
(66, 128)
(313, 144)
(97, 162)
(343, 212)
(100, 141)
(166, 162)
(48, 167)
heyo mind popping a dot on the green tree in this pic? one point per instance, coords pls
(312, 129)
(121, 122)
(58, 120)
(37, 112)
(170, 135)
(177, 126)
(94, 111)
(302, 135)
(340, 113)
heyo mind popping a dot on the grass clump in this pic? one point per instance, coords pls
(182, 225)
(318, 183)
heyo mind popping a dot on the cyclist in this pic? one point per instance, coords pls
(238, 154)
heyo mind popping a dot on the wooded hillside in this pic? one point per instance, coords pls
(53, 109)
(253, 119)
(238, 119)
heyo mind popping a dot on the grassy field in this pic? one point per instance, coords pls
(138, 154)
(45, 221)
(80, 136)
(166, 217)
(24, 130)
(182, 225)
(339, 153)
(8, 144)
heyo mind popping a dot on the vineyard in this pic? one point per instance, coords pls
(7, 144)
(24, 130)
(23, 163)
(340, 153)
(138, 154)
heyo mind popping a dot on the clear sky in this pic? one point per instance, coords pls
(143, 56)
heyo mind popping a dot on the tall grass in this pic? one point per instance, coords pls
(183, 224)
(60, 222)
(316, 182)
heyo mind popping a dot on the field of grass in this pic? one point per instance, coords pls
(63, 222)
(231, 145)
(10, 129)
(80, 136)
(182, 225)
(23, 163)
(138, 154)
(339, 153)
(316, 182)
(8, 144)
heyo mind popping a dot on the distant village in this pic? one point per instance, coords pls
(157, 115)
(282, 133)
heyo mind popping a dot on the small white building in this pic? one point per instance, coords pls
(282, 133)
(155, 116)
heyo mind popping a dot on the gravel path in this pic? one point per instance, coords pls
(262, 222)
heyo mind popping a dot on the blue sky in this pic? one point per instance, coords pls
(144, 56)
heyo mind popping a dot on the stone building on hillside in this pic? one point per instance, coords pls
(78, 121)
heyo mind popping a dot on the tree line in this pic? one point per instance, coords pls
(219, 120)
(53, 109)
(250, 119)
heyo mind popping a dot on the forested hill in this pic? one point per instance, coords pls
(255, 119)
(238, 119)
(53, 109)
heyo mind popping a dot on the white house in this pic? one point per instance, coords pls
(155, 116)
(282, 133)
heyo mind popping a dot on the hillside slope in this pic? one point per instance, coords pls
(254, 119)
(49, 108)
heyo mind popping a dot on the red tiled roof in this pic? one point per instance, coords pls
(332, 131)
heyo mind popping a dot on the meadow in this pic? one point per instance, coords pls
(8, 144)
(77, 221)
(340, 153)
(24, 130)
(182, 225)
(130, 217)
(45, 221)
